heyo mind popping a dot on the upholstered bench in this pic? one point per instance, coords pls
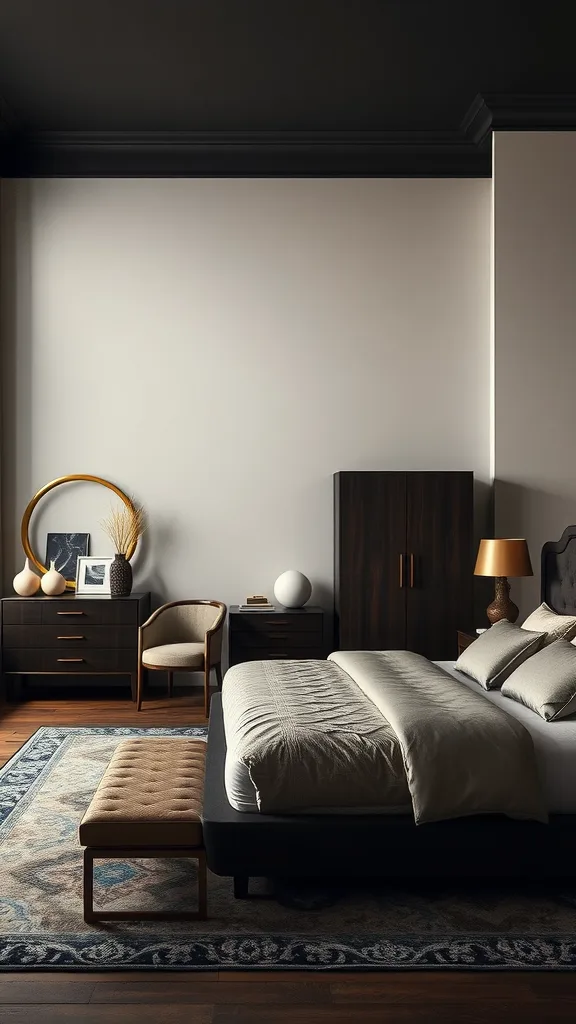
(148, 804)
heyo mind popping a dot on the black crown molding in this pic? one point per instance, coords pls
(243, 154)
(464, 152)
(491, 112)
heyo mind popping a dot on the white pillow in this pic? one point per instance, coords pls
(556, 627)
(546, 682)
(497, 652)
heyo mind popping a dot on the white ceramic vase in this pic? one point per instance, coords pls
(292, 589)
(53, 582)
(26, 583)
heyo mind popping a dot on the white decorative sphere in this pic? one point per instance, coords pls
(292, 589)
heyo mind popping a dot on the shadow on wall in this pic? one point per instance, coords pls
(539, 516)
(15, 322)
(483, 527)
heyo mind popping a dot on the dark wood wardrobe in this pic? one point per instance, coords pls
(403, 560)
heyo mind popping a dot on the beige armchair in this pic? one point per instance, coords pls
(183, 636)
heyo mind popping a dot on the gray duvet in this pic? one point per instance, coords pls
(369, 729)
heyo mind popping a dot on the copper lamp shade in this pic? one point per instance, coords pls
(503, 557)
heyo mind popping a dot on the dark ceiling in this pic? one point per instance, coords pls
(407, 68)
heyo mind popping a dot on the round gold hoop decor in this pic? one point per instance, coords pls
(71, 478)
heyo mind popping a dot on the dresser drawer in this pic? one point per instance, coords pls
(70, 633)
(75, 660)
(55, 611)
(276, 653)
(102, 612)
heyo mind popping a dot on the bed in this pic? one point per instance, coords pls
(387, 843)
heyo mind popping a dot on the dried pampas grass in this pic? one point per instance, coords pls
(124, 526)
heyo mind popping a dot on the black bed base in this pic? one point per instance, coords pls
(361, 847)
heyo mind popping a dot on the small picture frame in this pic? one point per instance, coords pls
(93, 575)
(64, 549)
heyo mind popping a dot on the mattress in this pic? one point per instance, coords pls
(554, 745)
(286, 698)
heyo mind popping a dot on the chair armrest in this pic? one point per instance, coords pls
(213, 639)
(152, 632)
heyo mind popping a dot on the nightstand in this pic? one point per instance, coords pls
(464, 640)
(281, 633)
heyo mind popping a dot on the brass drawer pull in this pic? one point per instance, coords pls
(70, 637)
(69, 659)
(70, 613)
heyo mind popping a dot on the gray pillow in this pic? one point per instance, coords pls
(497, 652)
(546, 683)
(555, 626)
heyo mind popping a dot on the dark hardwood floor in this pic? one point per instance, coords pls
(244, 997)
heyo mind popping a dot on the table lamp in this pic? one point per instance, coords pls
(503, 557)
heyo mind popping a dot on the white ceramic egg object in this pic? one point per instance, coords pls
(292, 589)
(52, 582)
(26, 582)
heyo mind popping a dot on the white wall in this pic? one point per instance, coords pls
(535, 341)
(219, 348)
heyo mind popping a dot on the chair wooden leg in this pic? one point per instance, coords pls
(206, 691)
(218, 670)
(139, 686)
(170, 684)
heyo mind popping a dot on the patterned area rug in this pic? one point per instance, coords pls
(44, 791)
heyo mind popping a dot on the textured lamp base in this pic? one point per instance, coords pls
(502, 607)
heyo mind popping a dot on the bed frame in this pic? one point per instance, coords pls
(389, 847)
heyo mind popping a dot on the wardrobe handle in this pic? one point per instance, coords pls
(401, 571)
(411, 570)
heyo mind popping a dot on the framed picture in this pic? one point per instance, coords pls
(64, 549)
(93, 576)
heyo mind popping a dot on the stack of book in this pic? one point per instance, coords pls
(255, 603)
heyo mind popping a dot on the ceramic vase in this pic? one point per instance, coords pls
(53, 582)
(120, 577)
(292, 589)
(26, 583)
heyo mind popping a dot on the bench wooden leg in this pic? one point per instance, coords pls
(134, 853)
(89, 886)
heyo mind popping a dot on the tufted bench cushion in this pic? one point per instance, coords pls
(150, 795)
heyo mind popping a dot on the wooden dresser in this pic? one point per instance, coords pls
(282, 633)
(69, 635)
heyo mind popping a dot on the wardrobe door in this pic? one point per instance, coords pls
(370, 562)
(440, 560)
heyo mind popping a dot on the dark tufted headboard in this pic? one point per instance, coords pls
(558, 573)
